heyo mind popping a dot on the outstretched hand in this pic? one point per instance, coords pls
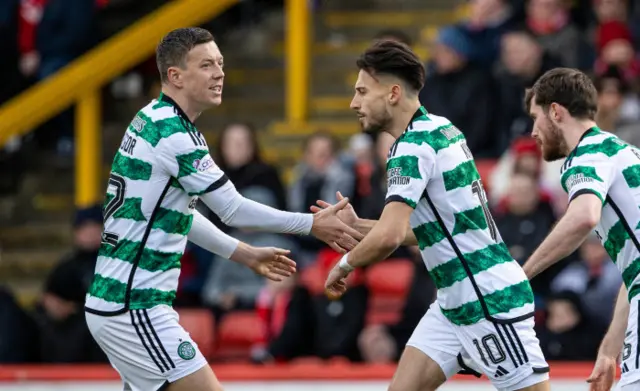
(272, 263)
(329, 228)
(347, 214)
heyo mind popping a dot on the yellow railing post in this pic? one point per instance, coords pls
(88, 149)
(297, 59)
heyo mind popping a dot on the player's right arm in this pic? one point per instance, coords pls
(198, 175)
(587, 181)
(604, 370)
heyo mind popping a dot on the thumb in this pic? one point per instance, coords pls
(339, 195)
(595, 376)
(341, 204)
(280, 251)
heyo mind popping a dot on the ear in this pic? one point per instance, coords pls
(174, 76)
(556, 112)
(395, 94)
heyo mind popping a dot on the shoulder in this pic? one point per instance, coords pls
(158, 121)
(438, 133)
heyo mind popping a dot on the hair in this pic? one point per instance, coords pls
(253, 140)
(322, 135)
(396, 59)
(395, 35)
(173, 48)
(567, 87)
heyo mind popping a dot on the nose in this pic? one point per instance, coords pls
(354, 105)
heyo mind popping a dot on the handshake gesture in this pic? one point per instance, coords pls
(331, 223)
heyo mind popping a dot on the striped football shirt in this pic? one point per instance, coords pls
(431, 169)
(604, 165)
(162, 166)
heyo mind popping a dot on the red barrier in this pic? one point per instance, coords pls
(247, 372)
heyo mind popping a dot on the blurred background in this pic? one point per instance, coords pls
(74, 73)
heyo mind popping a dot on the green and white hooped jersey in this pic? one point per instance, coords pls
(604, 165)
(161, 167)
(431, 169)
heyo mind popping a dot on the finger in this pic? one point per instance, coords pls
(352, 232)
(340, 204)
(336, 247)
(323, 204)
(315, 209)
(273, 277)
(347, 242)
(281, 251)
(285, 264)
(280, 272)
(595, 376)
(339, 196)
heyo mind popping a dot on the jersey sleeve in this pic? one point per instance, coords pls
(591, 173)
(191, 164)
(409, 168)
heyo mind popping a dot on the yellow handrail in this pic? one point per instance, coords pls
(297, 60)
(102, 64)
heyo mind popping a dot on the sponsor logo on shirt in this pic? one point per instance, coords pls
(395, 177)
(577, 179)
(203, 164)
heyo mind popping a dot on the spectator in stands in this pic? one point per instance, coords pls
(550, 22)
(362, 158)
(53, 33)
(615, 48)
(522, 61)
(381, 343)
(9, 49)
(231, 286)
(238, 154)
(373, 202)
(462, 91)
(566, 333)
(594, 278)
(618, 107)
(18, 341)
(318, 177)
(487, 22)
(526, 219)
(63, 332)
(525, 156)
(300, 321)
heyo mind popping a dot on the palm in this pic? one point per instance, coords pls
(273, 264)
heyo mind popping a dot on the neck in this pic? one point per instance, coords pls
(402, 118)
(573, 133)
(189, 108)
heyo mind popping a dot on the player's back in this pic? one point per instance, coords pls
(604, 165)
(147, 211)
(431, 168)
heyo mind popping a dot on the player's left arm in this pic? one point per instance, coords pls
(587, 182)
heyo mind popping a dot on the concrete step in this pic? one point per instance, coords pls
(30, 262)
(34, 234)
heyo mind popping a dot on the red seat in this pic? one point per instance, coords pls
(240, 328)
(200, 325)
(388, 284)
(390, 278)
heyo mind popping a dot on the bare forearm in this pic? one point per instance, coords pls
(565, 238)
(364, 226)
(375, 246)
(612, 342)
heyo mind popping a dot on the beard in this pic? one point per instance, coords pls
(377, 124)
(554, 147)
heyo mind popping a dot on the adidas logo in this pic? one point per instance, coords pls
(500, 372)
(625, 368)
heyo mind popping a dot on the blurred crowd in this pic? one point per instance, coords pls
(476, 76)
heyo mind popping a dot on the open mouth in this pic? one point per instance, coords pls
(216, 89)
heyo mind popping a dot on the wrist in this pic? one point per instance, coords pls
(344, 264)
(243, 254)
